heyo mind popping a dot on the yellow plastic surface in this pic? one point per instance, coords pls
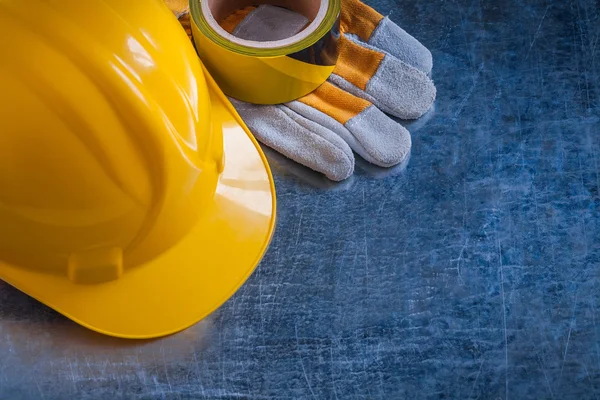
(257, 78)
(133, 199)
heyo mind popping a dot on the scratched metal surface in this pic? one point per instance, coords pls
(472, 273)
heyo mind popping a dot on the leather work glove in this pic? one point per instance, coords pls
(381, 69)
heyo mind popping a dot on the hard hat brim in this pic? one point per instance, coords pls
(193, 278)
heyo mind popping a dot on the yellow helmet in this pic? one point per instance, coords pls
(133, 199)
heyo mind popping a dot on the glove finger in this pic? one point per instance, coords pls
(298, 138)
(394, 40)
(378, 31)
(391, 84)
(368, 131)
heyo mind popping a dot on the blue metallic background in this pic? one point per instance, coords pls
(473, 273)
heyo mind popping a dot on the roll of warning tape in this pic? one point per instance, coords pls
(270, 72)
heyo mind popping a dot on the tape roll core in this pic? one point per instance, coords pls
(221, 9)
(268, 72)
(217, 10)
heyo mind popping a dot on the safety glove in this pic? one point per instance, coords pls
(381, 69)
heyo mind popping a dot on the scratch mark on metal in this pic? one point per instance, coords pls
(332, 378)
(546, 377)
(159, 387)
(470, 92)
(299, 227)
(302, 363)
(38, 387)
(365, 247)
(162, 350)
(568, 339)
(503, 318)
(72, 373)
(476, 378)
(459, 260)
(537, 33)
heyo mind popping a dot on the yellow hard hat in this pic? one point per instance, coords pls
(133, 199)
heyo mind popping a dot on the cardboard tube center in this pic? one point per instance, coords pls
(217, 10)
(221, 9)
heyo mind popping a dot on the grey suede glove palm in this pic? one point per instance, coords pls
(381, 69)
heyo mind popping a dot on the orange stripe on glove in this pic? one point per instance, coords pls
(359, 19)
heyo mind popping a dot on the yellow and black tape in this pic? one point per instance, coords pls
(268, 72)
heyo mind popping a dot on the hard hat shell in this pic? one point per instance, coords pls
(133, 199)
